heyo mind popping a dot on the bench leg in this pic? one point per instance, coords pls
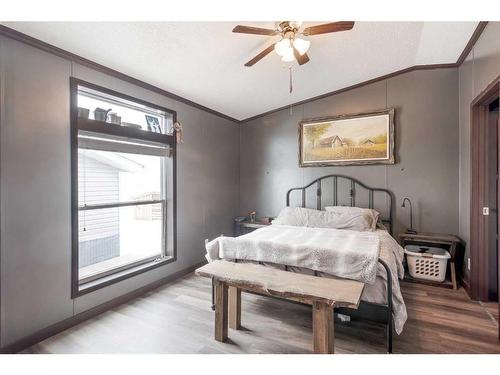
(323, 330)
(213, 295)
(234, 307)
(220, 311)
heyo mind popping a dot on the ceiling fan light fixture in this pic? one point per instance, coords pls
(288, 56)
(289, 44)
(301, 45)
(283, 47)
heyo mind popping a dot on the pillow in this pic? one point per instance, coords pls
(337, 219)
(357, 217)
(294, 216)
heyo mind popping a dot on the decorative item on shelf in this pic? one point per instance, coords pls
(83, 112)
(153, 124)
(410, 230)
(252, 215)
(101, 114)
(178, 131)
(113, 118)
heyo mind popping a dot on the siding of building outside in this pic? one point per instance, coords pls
(99, 230)
(151, 211)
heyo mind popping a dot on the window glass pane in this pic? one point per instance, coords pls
(111, 177)
(110, 238)
(120, 173)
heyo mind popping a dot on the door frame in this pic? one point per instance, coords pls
(479, 191)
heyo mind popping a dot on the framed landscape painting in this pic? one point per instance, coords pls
(360, 139)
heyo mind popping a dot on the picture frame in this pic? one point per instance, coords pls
(153, 124)
(354, 139)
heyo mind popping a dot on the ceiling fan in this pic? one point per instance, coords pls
(291, 47)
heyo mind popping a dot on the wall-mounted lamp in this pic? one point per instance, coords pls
(410, 230)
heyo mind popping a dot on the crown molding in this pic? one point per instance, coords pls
(37, 43)
(470, 44)
(352, 87)
(21, 37)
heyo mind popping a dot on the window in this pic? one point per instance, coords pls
(123, 187)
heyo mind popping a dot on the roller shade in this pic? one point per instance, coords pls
(105, 142)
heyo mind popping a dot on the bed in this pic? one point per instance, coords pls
(381, 301)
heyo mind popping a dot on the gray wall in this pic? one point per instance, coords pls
(480, 68)
(35, 232)
(426, 170)
(216, 170)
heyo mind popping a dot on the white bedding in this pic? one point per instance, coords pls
(330, 252)
(342, 253)
(337, 217)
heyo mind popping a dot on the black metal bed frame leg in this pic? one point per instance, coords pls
(389, 337)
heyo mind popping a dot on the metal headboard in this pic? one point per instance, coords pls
(387, 220)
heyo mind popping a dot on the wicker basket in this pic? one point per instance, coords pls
(427, 263)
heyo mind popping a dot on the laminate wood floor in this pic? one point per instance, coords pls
(176, 318)
(492, 308)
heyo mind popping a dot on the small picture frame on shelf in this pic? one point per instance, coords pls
(153, 124)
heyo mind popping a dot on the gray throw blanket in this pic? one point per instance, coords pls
(341, 253)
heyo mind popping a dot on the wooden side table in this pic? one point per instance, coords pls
(452, 243)
(243, 227)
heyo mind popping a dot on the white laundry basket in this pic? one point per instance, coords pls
(427, 263)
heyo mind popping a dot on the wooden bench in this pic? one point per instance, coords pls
(323, 294)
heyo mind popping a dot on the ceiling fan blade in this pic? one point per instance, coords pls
(328, 28)
(254, 30)
(301, 59)
(261, 55)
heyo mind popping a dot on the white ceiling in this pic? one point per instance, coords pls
(203, 61)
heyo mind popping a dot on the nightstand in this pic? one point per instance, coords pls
(453, 244)
(244, 227)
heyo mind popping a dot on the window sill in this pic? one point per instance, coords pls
(119, 276)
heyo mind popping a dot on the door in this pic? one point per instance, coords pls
(492, 218)
(485, 196)
(496, 115)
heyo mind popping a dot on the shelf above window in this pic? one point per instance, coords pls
(122, 131)
(101, 110)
